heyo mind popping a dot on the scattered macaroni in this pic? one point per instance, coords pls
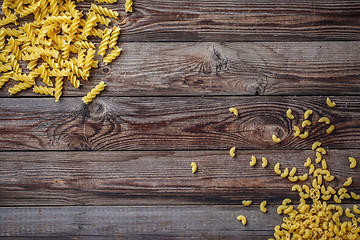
(323, 164)
(318, 157)
(296, 131)
(355, 196)
(277, 169)
(305, 123)
(315, 145)
(325, 120)
(356, 209)
(348, 182)
(193, 167)
(304, 135)
(307, 114)
(293, 179)
(321, 150)
(263, 206)
(276, 139)
(352, 162)
(289, 114)
(292, 172)
(330, 103)
(285, 173)
(330, 129)
(232, 151)
(303, 177)
(253, 160)
(246, 203)
(234, 111)
(264, 162)
(242, 219)
(311, 168)
(308, 162)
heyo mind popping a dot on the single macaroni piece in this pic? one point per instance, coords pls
(253, 160)
(323, 164)
(352, 162)
(355, 196)
(296, 188)
(293, 179)
(321, 150)
(193, 167)
(286, 200)
(263, 206)
(94, 92)
(307, 114)
(232, 151)
(330, 129)
(328, 178)
(128, 6)
(246, 203)
(276, 139)
(296, 131)
(281, 208)
(311, 168)
(305, 123)
(318, 157)
(292, 172)
(315, 184)
(344, 195)
(330, 103)
(264, 162)
(277, 169)
(326, 197)
(308, 162)
(234, 111)
(356, 209)
(114, 37)
(242, 219)
(325, 120)
(285, 173)
(303, 177)
(289, 114)
(348, 182)
(348, 213)
(341, 191)
(304, 135)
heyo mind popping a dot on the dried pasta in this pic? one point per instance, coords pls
(315, 145)
(307, 114)
(305, 123)
(330, 129)
(348, 182)
(352, 162)
(263, 206)
(264, 162)
(234, 111)
(296, 131)
(193, 167)
(253, 160)
(289, 114)
(242, 219)
(304, 135)
(276, 139)
(246, 202)
(128, 6)
(330, 103)
(94, 92)
(325, 120)
(232, 151)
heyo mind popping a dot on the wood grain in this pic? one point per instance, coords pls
(173, 69)
(170, 123)
(158, 177)
(246, 20)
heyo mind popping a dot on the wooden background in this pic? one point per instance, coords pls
(120, 167)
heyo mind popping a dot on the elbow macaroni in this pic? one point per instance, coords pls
(232, 151)
(276, 139)
(193, 167)
(234, 111)
(253, 160)
(263, 206)
(330, 103)
(352, 162)
(264, 162)
(289, 114)
(307, 114)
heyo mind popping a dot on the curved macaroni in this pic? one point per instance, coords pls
(307, 114)
(293, 179)
(289, 114)
(242, 219)
(277, 169)
(355, 196)
(304, 135)
(321, 150)
(276, 139)
(330, 129)
(264, 162)
(246, 203)
(325, 120)
(263, 206)
(305, 123)
(193, 167)
(232, 151)
(285, 173)
(234, 111)
(352, 162)
(292, 172)
(330, 103)
(253, 160)
(348, 182)
(303, 177)
(296, 131)
(307, 162)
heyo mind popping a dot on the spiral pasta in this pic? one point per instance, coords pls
(94, 92)
(114, 37)
(112, 55)
(43, 90)
(106, 1)
(58, 87)
(104, 11)
(104, 43)
(20, 87)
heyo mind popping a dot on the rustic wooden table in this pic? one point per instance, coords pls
(120, 168)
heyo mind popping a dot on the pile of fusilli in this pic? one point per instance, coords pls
(55, 45)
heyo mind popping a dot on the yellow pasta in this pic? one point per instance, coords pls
(304, 135)
(296, 188)
(105, 41)
(356, 209)
(321, 150)
(325, 120)
(307, 162)
(292, 172)
(44, 90)
(323, 164)
(276, 139)
(348, 182)
(277, 168)
(246, 202)
(296, 131)
(311, 168)
(106, 1)
(355, 196)
(330, 103)
(128, 6)
(193, 167)
(94, 92)
(104, 11)
(234, 111)
(232, 151)
(307, 114)
(328, 178)
(281, 208)
(289, 114)
(253, 160)
(318, 157)
(112, 55)
(305, 123)
(263, 206)
(285, 173)
(330, 129)
(242, 219)
(352, 162)
(264, 162)
(293, 179)
(303, 177)
(348, 213)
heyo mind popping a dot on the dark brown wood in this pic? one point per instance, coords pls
(166, 123)
(246, 20)
(153, 178)
(287, 68)
(164, 222)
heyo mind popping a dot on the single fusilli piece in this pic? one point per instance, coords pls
(112, 55)
(128, 6)
(104, 11)
(114, 36)
(58, 87)
(44, 90)
(105, 41)
(94, 92)
(2, 38)
(19, 87)
(5, 78)
(106, 1)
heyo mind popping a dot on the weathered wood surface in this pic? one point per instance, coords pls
(158, 177)
(206, 222)
(168, 123)
(286, 68)
(246, 20)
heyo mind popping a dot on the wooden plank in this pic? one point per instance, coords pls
(158, 177)
(246, 20)
(167, 123)
(286, 68)
(210, 222)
